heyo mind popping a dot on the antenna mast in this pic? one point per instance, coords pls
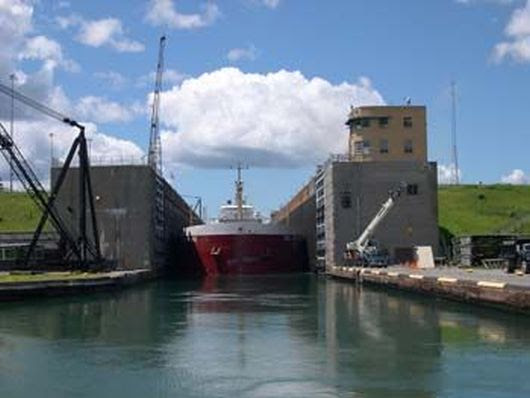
(154, 158)
(456, 175)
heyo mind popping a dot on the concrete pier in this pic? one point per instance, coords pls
(56, 284)
(487, 287)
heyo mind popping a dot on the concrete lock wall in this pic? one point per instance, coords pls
(139, 215)
(302, 221)
(354, 193)
(299, 215)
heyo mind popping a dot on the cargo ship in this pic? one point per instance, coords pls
(239, 242)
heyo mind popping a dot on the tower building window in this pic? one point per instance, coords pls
(345, 199)
(407, 146)
(360, 123)
(361, 147)
(407, 121)
(412, 189)
(383, 146)
(383, 121)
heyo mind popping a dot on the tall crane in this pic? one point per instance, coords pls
(80, 245)
(361, 250)
(154, 157)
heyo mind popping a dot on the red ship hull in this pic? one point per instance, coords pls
(249, 254)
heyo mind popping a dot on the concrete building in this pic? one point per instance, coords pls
(140, 216)
(387, 147)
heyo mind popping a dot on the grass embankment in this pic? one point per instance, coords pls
(484, 209)
(18, 213)
(463, 210)
(48, 277)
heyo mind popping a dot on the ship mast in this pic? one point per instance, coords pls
(239, 193)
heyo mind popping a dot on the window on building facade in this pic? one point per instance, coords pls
(361, 147)
(356, 123)
(407, 146)
(383, 146)
(366, 147)
(358, 147)
(412, 189)
(360, 123)
(383, 121)
(345, 199)
(407, 121)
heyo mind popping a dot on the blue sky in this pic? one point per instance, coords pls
(270, 82)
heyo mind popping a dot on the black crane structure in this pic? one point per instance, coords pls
(155, 146)
(81, 251)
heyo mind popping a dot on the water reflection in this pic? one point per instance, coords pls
(260, 336)
(379, 344)
(142, 315)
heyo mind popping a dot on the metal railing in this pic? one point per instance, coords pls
(109, 161)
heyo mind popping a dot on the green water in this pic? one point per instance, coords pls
(294, 336)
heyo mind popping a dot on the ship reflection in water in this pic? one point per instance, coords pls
(260, 336)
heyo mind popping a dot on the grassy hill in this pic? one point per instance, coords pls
(464, 209)
(17, 212)
(484, 209)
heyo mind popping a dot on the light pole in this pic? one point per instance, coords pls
(12, 77)
(51, 151)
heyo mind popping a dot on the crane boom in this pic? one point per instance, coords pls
(361, 243)
(155, 147)
(37, 106)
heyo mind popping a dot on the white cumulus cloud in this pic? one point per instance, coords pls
(33, 140)
(49, 51)
(32, 128)
(275, 119)
(16, 28)
(447, 174)
(170, 77)
(238, 54)
(517, 31)
(271, 3)
(107, 32)
(164, 13)
(501, 2)
(114, 79)
(516, 177)
(101, 110)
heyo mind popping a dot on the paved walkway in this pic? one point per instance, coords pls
(477, 274)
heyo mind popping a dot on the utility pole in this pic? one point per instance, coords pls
(12, 77)
(453, 135)
(51, 151)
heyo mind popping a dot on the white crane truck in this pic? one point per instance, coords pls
(364, 251)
